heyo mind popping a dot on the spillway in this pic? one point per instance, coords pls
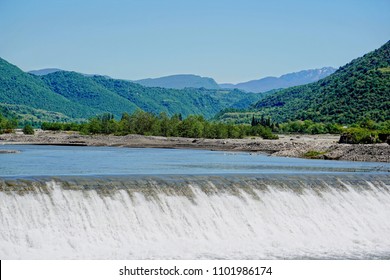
(269, 216)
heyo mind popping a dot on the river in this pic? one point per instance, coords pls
(60, 202)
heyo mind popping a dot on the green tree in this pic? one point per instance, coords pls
(28, 129)
(7, 125)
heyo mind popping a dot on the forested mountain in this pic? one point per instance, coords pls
(180, 82)
(360, 89)
(284, 81)
(63, 95)
(357, 90)
(84, 90)
(23, 92)
(156, 100)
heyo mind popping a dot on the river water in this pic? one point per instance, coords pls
(60, 202)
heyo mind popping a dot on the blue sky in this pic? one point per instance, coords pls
(231, 41)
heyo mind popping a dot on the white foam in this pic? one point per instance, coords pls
(280, 223)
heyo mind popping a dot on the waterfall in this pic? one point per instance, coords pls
(196, 217)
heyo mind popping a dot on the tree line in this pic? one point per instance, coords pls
(194, 126)
(365, 131)
(144, 123)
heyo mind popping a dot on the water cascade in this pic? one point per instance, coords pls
(196, 217)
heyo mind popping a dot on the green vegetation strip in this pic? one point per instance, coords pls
(162, 125)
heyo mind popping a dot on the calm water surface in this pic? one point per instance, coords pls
(189, 204)
(65, 160)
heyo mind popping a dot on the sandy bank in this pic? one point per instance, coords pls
(325, 146)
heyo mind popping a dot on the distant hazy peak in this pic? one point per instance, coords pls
(284, 81)
(180, 81)
(42, 72)
(312, 72)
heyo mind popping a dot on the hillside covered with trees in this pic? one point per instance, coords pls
(21, 93)
(70, 96)
(358, 90)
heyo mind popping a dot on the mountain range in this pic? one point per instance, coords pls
(358, 90)
(182, 81)
(260, 85)
(64, 96)
(284, 81)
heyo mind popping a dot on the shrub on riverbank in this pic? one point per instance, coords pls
(366, 132)
(358, 135)
(28, 130)
(309, 127)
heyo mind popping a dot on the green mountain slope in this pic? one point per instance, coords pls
(22, 89)
(206, 102)
(158, 100)
(357, 90)
(66, 95)
(85, 91)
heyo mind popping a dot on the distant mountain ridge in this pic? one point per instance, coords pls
(180, 81)
(45, 71)
(360, 89)
(284, 81)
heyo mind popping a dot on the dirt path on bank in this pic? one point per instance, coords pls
(320, 146)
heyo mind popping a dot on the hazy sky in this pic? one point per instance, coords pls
(230, 41)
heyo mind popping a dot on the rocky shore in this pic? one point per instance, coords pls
(301, 146)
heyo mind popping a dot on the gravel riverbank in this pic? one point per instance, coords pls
(301, 146)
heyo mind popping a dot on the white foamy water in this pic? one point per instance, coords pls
(199, 220)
